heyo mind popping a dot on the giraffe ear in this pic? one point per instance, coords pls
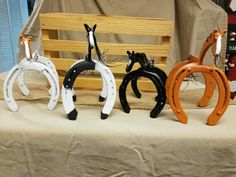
(94, 27)
(128, 52)
(152, 61)
(215, 30)
(223, 32)
(86, 27)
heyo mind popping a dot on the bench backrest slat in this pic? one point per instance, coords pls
(158, 29)
(107, 24)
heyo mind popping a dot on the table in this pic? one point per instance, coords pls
(36, 142)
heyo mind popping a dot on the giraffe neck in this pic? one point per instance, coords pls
(27, 49)
(209, 42)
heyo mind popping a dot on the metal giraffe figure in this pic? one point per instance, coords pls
(109, 86)
(212, 75)
(29, 63)
(148, 70)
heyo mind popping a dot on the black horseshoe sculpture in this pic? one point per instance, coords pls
(141, 58)
(148, 70)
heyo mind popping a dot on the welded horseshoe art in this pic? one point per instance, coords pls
(212, 76)
(29, 63)
(109, 86)
(37, 58)
(148, 70)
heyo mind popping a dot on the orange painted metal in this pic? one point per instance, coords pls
(212, 76)
(209, 82)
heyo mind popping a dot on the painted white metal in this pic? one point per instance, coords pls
(110, 83)
(218, 45)
(91, 39)
(40, 59)
(28, 65)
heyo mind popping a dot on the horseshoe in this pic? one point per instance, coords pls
(134, 87)
(221, 82)
(103, 93)
(156, 81)
(21, 84)
(209, 84)
(209, 90)
(160, 73)
(108, 81)
(211, 119)
(212, 76)
(40, 59)
(109, 86)
(147, 65)
(172, 72)
(26, 65)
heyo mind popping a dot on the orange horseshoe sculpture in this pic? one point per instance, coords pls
(212, 76)
(209, 82)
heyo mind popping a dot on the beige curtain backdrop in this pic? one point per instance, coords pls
(194, 20)
(35, 142)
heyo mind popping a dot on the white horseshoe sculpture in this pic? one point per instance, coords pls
(40, 64)
(40, 59)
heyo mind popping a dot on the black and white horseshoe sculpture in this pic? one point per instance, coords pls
(109, 86)
(148, 70)
(30, 63)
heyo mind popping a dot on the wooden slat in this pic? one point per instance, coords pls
(45, 36)
(106, 24)
(96, 84)
(113, 48)
(117, 68)
(165, 41)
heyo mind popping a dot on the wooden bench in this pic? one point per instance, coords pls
(157, 29)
